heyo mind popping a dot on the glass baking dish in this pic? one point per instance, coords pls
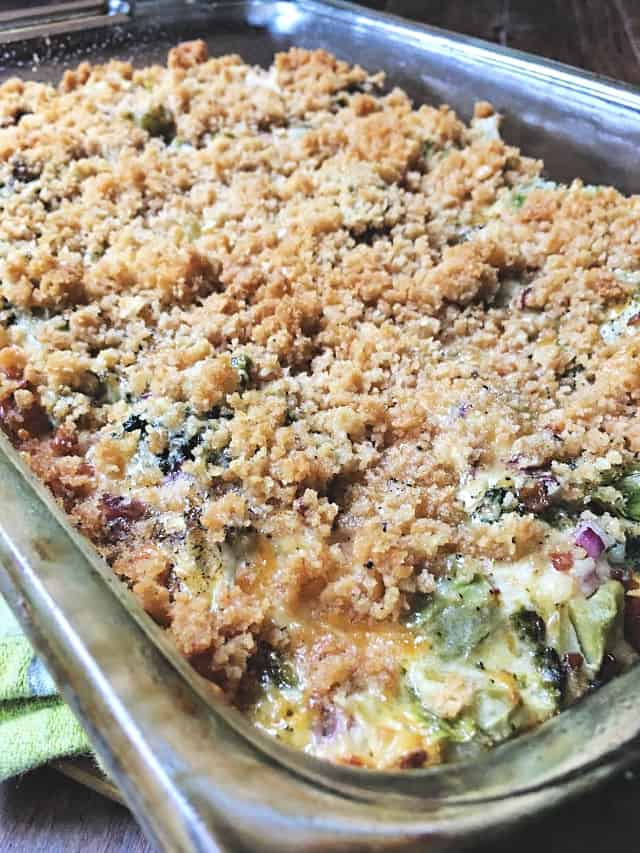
(194, 772)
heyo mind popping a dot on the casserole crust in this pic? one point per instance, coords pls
(344, 390)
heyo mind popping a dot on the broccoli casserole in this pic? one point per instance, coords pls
(344, 390)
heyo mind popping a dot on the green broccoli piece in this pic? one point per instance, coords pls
(243, 364)
(493, 504)
(427, 148)
(461, 730)
(529, 626)
(552, 674)
(220, 457)
(270, 667)
(630, 488)
(458, 616)
(596, 619)
(619, 496)
(159, 121)
(531, 630)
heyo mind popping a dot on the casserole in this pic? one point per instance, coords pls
(397, 785)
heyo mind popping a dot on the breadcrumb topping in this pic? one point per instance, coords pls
(291, 351)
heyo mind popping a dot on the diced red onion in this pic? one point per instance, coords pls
(591, 541)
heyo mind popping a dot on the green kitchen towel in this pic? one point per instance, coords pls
(35, 725)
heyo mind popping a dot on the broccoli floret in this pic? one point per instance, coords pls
(561, 516)
(458, 616)
(103, 389)
(632, 552)
(418, 603)
(552, 673)
(270, 667)
(597, 620)
(219, 413)
(8, 314)
(135, 422)
(529, 626)
(630, 488)
(494, 502)
(179, 449)
(620, 497)
(531, 630)
(221, 457)
(569, 374)
(427, 148)
(243, 364)
(25, 172)
(461, 730)
(159, 121)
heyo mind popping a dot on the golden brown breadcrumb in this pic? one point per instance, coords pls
(259, 329)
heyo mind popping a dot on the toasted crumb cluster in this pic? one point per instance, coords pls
(286, 347)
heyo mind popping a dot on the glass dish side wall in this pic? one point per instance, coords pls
(223, 789)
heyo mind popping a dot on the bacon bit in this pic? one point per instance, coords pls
(534, 496)
(562, 561)
(23, 424)
(353, 760)
(115, 507)
(573, 661)
(413, 760)
(36, 421)
(61, 492)
(633, 321)
(119, 514)
(632, 621)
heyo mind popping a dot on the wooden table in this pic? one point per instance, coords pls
(46, 812)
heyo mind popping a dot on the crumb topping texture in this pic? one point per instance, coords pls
(343, 389)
